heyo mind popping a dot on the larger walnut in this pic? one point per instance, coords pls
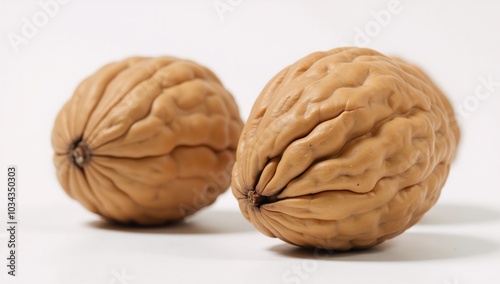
(147, 140)
(342, 149)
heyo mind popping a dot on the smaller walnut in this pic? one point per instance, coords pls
(147, 140)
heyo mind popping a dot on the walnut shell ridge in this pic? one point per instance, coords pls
(344, 149)
(147, 140)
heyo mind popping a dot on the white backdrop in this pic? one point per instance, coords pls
(47, 49)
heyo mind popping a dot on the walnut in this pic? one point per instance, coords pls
(147, 140)
(345, 148)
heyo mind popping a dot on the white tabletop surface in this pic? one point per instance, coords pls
(456, 42)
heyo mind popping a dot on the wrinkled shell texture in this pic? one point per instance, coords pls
(154, 140)
(344, 149)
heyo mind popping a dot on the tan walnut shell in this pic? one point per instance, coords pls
(342, 149)
(147, 140)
